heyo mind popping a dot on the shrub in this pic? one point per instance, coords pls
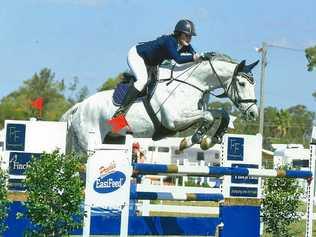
(280, 205)
(55, 193)
(4, 203)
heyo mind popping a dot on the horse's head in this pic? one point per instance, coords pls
(241, 89)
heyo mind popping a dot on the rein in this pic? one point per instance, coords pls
(236, 99)
(233, 86)
(171, 79)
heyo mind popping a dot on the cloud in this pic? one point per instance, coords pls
(299, 45)
(282, 42)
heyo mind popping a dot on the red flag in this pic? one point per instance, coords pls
(38, 103)
(117, 123)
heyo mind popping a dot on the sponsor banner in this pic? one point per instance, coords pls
(108, 177)
(243, 192)
(245, 179)
(235, 148)
(16, 185)
(109, 182)
(18, 162)
(15, 137)
(244, 151)
(35, 136)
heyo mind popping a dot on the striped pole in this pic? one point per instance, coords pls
(181, 170)
(216, 197)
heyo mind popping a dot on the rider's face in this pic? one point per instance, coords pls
(185, 39)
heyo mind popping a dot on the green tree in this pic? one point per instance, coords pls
(291, 125)
(55, 193)
(111, 83)
(280, 205)
(227, 106)
(18, 104)
(4, 203)
(77, 94)
(301, 124)
(310, 54)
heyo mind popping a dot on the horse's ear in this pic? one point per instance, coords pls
(241, 65)
(249, 67)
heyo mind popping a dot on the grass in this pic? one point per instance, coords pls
(186, 203)
(297, 229)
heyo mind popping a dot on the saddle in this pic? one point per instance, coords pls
(144, 97)
(127, 81)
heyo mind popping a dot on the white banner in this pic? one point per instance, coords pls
(108, 178)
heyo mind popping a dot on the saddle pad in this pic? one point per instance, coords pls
(121, 90)
(119, 94)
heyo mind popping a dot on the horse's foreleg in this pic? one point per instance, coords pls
(216, 132)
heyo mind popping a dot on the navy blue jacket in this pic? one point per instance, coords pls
(165, 47)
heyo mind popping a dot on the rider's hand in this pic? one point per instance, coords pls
(197, 58)
(208, 55)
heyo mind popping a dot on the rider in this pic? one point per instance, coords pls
(153, 53)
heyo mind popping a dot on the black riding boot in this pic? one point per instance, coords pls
(129, 99)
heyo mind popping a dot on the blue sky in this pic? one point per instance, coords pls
(89, 39)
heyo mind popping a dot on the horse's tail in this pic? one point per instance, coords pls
(68, 117)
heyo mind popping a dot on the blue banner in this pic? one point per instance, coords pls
(15, 137)
(244, 179)
(16, 185)
(243, 192)
(235, 150)
(18, 162)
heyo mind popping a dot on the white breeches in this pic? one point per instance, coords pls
(138, 67)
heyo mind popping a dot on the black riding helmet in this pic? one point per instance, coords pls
(185, 26)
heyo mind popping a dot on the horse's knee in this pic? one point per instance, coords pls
(208, 116)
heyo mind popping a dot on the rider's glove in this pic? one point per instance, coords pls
(207, 56)
(197, 58)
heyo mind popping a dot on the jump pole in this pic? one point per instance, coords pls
(243, 176)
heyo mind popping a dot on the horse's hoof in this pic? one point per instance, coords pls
(206, 143)
(183, 145)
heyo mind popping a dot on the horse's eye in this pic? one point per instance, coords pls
(242, 84)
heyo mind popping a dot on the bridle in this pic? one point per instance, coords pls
(235, 96)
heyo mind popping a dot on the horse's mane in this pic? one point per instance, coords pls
(224, 57)
(217, 57)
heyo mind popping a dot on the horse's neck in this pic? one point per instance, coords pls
(195, 74)
(203, 76)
